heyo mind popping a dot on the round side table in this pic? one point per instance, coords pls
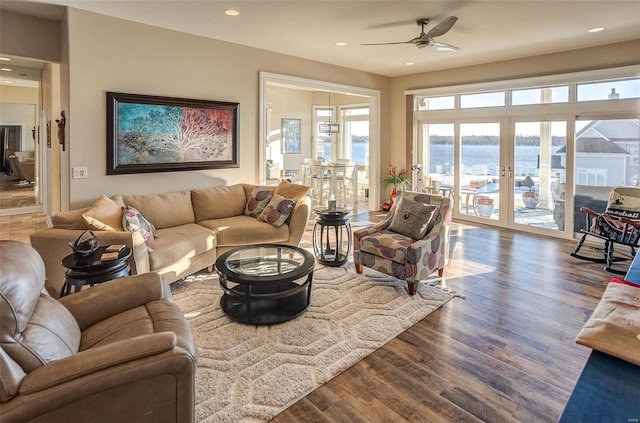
(91, 270)
(328, 235)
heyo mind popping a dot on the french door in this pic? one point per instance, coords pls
(509, 172)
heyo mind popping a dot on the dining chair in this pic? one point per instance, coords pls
(320, 183)
(346, 183)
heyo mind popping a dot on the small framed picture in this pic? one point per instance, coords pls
(291, 139)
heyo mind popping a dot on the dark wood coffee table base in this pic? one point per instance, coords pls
(265, 284)
(267, 305)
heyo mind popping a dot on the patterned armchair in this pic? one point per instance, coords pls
(401, 256)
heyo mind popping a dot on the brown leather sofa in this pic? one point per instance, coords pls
(119, 351)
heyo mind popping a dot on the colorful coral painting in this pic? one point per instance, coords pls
(156, 134)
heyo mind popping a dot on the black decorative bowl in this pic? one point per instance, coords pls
(86, 244)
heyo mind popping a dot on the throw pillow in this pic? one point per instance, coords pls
(104, 215)
(278, 210)
(412, 218)
(258, 200)
(614, 326)
(134, 221)
(292, 191)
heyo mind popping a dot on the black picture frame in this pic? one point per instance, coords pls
(163, 134)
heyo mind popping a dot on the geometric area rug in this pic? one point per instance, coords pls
(251, 373)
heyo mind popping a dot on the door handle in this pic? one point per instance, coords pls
(503, 172)
(510, 173)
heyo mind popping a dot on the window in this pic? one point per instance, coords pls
(436, 103)
(540, 95)
(609, 90)
(494, 99)
(355, 121)
(591, 177)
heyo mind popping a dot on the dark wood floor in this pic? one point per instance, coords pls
(504, 353)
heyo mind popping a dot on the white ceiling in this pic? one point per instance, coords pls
(487, 31)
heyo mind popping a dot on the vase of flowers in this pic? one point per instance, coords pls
(399, 179)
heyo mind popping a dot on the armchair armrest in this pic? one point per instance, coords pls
(95, 359)
(88, 306)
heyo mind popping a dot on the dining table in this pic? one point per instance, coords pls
(334, 173)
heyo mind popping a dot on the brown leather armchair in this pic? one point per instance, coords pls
(119, 351)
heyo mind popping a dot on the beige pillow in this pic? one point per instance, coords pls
(614, 326)
(292, 191)
(104, 215)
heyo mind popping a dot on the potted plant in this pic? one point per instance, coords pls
(396, 178)
(530, 198)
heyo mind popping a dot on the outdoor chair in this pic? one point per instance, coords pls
(411, 242)
(619, 225)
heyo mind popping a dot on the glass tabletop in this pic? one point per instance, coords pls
(265, 260)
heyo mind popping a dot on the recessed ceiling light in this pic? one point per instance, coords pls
(341, 43)
(231, 12)
(6, 69)
(409, 63)
(596, 29)
(5, 59)
(7, 82)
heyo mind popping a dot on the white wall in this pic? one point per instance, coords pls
(108, 54)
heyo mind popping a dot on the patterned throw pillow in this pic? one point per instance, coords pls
(260, 197)
(134, 221)
(412, 218)
(278, 210)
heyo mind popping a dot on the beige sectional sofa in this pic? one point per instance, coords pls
(193, 228)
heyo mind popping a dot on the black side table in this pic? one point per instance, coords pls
(91, 270)
(328, 234)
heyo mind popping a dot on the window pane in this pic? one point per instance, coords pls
(540, 96)
(609, 90)
(436, 103)
(606, 156)
(359, 111)
(482, 100)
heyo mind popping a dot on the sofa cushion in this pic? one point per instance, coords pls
(244, 230)
(104, 215)
(218, 202)
(278, 210)
(258, 200)
(180, 243)
(387, 244)
(164, 210)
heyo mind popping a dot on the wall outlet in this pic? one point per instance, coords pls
(80, 173)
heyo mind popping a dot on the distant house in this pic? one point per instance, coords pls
(607, 153)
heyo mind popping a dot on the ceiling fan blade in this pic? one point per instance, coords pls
(443, 27)
(385, 44)
(443, 46)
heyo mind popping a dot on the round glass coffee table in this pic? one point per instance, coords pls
(265, 284)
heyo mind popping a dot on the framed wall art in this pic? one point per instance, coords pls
(161, 134)
(291, 139)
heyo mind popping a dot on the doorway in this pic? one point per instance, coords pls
(345, 103)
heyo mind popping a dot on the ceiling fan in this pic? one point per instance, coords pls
(426, 39)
